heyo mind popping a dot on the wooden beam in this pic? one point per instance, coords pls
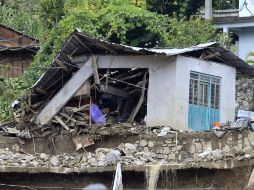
(115, 91)
(58, 62)
(211, 55)
(95, 71)
(83, 44)
(41, 91)
(140, 102)
(65, 94)
(60, 121)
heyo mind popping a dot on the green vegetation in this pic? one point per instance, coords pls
(131, 22)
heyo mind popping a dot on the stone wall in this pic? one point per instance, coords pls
(174, 147)
(245, 94)
(188, 146)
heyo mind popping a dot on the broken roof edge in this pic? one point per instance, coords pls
(226, 56)
(162, 51)
(78, 39)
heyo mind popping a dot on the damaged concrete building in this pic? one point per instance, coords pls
(164, 87)
(100, 104)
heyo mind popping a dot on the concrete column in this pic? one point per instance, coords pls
(208, 9)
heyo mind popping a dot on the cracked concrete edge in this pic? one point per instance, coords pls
(229, 164)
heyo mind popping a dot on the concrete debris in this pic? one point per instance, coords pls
(54, 161)
(112, 100)
(82, 141)
(113, 156)
(164, 131)
(211, 155)
(96, 186)
(218, 132)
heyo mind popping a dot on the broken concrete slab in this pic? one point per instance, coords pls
(64, 95)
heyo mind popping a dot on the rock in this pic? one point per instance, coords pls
(113, 156)
(143, 143)
(34, 163)
(54, 161)
(199, 147)
(226, 148)
(103, 150)
(150, 144)
(251, 138)
(100, 156)
(247, 156)
(4, 157)
(43, 156)
(192, 149)
(16, 147)
(129, 125)
(172, 156)
(29, 158)
(101, 163)
(183, 155)
(166, 150)
(211, 155)
(93, 162)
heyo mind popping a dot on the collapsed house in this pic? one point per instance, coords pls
(100, 103)
(182, 88)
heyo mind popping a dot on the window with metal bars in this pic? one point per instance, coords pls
(204, 90)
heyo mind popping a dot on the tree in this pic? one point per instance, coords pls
(180, 8)
(51, 12)
(186, 8)
(21, 20)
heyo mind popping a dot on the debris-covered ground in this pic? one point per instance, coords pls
(127, 154)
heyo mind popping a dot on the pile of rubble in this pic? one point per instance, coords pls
(128, 154)
(245, 94)
(109, 98)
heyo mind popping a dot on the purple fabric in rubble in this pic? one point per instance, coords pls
(97, 115)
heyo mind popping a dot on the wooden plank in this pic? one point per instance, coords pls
(95, 71)
(82, 43)
(65, 94)
(58, 62)
(61, 122)
(113, 90)
(140, 102)
(211, 55)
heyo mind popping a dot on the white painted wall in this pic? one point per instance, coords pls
(162, 72)
(184, 65)
(168, 94)
(162, 83)
(246, 39)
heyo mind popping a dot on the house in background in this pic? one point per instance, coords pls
(16, 52)
(182, 88)
(239, 22)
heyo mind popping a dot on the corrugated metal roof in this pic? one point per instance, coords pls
(89, 45)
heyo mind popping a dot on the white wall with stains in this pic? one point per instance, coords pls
(184, 65)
